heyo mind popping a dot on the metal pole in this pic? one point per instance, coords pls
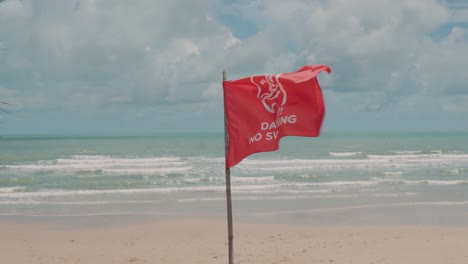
(228, 186)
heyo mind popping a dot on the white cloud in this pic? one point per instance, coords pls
(106, 54)
(456, 34)
(184, 48)
(231, 41)
(145, 51)
(371, 45)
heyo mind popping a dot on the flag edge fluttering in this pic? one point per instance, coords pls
(315, 71)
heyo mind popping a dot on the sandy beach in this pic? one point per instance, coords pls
(347, 199)
(197, 240)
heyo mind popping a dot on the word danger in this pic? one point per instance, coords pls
(267, 126)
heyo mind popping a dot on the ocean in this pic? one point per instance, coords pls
(336, 175)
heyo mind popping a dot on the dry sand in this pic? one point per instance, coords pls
(204, 241)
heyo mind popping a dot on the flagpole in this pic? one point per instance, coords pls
(228, 186)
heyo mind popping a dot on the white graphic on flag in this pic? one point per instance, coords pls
(270, 92)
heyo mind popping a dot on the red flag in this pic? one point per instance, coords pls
(262, 109)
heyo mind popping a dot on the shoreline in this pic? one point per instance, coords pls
(291, 212)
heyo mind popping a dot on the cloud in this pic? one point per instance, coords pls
(105, 56)
(88, 53)
(371, 45)
(382, 53)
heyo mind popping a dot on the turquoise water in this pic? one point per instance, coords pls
(68, 175)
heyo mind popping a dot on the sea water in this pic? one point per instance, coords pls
(183, 174)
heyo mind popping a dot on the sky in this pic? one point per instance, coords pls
(155, 66)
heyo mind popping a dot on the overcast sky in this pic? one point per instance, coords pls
(111, 66)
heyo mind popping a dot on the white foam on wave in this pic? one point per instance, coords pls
(286, 168)
(86, 167)
(372, 161)
(250, 198)
(401, 156)
(107, 165)
(291, 163)
(207, 159)
(112, 159)
(234, 179)
(217, 188)
(105, 161)
(147, 170)
(267, 162)
(298, 195)
(419, 160)
(344, 154)
(297, 165)
(407, 152)
(12, 189)
(284, 195)
(252, 179)
(438, 156)
(433, 182)
(341, 183)
(455, 171)
(55, 193)
(115, 165)
(251, 188)
(392, 173)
